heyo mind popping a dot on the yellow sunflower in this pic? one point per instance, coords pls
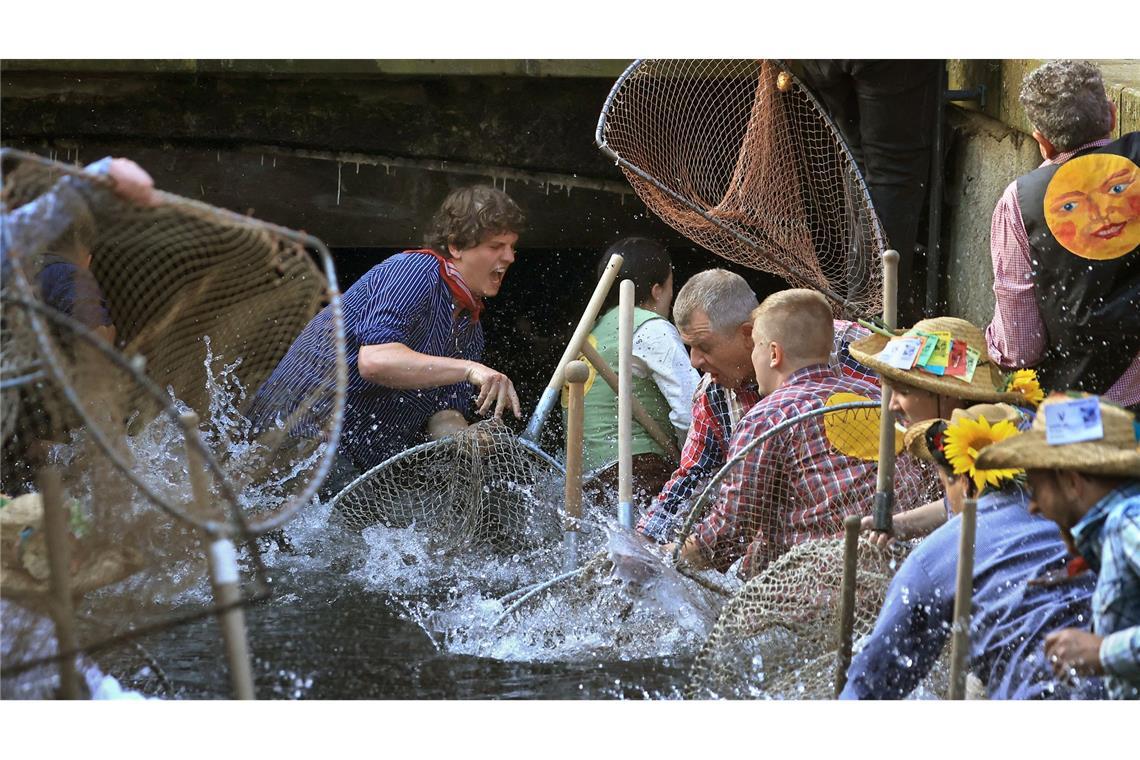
(1024, 381)
(966, 438)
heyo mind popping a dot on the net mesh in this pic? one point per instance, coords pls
(133, 340)
(778, 637)
(482, 487)
(797, 481)
(738, 157)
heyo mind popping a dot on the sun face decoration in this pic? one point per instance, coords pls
(1092, 206)
(966, 438)
(1024, 381)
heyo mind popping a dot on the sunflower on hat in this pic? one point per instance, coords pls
(965, 438)
(1025, 382)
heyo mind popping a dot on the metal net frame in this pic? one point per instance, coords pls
(798, 480)
(739, 157)
(482, 487)
(145, 421)
(777, 637)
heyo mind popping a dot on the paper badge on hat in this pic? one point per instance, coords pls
(1073, 421)
(1092, 206)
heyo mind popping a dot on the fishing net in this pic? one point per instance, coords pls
(133, 340)
(778, 637)
(482, 487)
(797, 481)
(739, 157)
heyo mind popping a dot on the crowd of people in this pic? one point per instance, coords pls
(1056, 606)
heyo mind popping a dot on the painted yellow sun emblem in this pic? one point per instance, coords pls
(1092, 206)
(589, 380)
(855, 432)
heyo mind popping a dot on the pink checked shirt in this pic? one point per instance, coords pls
(1016, 334)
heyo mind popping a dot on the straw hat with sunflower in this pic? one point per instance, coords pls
(1115, 454)
(957, 443)
(989, 383)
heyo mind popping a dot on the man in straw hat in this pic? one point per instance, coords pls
(1082, 459)
(1065, 243)
(933, 368)
(1011, 616)
(799, 483)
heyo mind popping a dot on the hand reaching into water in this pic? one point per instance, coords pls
(495, 390)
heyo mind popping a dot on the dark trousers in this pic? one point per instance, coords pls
(885, 111)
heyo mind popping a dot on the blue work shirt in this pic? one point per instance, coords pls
(1108, 537)
(402, 300)
(1010, 618)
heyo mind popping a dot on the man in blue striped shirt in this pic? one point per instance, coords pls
(414, 341)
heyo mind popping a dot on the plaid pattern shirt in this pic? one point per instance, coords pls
(796, 485)
(1016, 336)
(1108, 537)
(716, 410)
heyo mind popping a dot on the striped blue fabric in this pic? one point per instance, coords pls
(402, 300)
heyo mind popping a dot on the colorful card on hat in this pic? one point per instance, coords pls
(956, 362)
(1073, 421)
(900, 353)
(972, 358)
(927, 347)
(941, 355)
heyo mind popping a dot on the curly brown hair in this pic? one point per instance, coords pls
(470, 215)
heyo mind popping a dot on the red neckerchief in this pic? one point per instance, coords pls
(462, 294)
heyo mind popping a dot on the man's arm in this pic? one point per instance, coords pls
(1120, 651)
(733, 524)
(908, 637)
(394, 365)
(1015, 336)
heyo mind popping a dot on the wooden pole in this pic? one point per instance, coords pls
(625, 394)
(576, 374)
(963, 599)
(883, 504)
(847, 600)
(663, 439)
(585, 324)
(56, 535)
(225, 578)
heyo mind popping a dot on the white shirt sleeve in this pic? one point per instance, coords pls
(659, 352)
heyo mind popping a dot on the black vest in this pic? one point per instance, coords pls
(1091, 308)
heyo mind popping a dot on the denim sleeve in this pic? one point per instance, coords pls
(908, 637)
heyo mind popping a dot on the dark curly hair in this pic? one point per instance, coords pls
(470, 215)
(646, 262)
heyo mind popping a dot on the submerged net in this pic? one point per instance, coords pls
(483, 487)
(778, 636)
(133, 340)
(739, 157)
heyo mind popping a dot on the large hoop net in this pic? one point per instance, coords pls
(133, 340)
(778, 637)
(739, 157)
(482, 487)
(798, 481)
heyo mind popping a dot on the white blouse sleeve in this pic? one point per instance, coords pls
(662, 355)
